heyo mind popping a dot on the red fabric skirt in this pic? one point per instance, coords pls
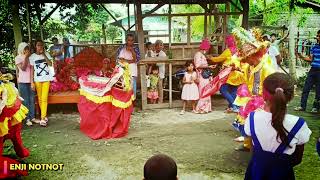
(105, 120)
(10, 111)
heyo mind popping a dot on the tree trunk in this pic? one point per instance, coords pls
(16, 25)
(104, 37)
(292, 56)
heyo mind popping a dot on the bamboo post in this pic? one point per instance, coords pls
(128, 10)
(245, 12)
(210, 19)
(140, 29)
(189, 31)
(228, 9)
(170, 85)
(205, 25)
(144, 100)
(169, 26)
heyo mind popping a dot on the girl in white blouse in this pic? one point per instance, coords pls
(278, 138)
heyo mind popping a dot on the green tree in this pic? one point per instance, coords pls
(6, 32)
(112, 32)
(86, 23)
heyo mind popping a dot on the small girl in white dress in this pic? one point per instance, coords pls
(190, 91)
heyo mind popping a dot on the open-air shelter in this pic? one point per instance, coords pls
(180, 52)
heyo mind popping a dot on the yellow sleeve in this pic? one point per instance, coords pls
(222, 57)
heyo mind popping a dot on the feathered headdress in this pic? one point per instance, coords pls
(249, 42)
(6, 77)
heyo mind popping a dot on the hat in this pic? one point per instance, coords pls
(205, 44)
(249, 43)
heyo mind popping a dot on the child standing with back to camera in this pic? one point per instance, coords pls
(278, 138)
(190, 91)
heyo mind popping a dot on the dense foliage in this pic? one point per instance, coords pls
(86, 22)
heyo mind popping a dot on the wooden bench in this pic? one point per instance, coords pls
(66, 97)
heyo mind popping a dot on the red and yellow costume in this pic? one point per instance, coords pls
(105, 104)
(236, 77)
(249, 96)
(13, 112)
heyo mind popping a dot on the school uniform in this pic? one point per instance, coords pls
(271, 159)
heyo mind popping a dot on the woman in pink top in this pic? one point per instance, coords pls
(200, 62)
(24, 81)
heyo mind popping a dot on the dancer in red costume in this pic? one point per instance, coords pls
(12, 113)
(105, 104)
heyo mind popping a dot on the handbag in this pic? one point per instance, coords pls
(206, 73)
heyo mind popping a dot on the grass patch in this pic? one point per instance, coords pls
(310, 166)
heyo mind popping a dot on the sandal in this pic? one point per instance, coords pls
(46, 119)
(34, 120)
(195, 111)
(182, 112)
(43, 123)
(28, 122)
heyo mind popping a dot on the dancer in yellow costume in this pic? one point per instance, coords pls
(236, 77)
(12, 112)
(252, 50)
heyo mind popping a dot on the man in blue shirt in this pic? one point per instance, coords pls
(56, 50)
(313, 78)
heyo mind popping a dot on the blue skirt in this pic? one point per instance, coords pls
(269, 166)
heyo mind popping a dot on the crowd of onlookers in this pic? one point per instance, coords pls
(35, 71)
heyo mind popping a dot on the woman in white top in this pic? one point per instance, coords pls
(40, 62)
(278, 138)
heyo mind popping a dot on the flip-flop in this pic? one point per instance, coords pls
(43, 123)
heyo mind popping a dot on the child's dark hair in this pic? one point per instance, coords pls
(148, 44)
(281, 88)
(188, 63)
(160, 167)
(154, 67)
(38, 40)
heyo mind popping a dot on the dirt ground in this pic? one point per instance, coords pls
(201, 145)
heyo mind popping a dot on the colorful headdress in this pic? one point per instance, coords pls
(249, 42)
(205, 44)
(6, 77)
